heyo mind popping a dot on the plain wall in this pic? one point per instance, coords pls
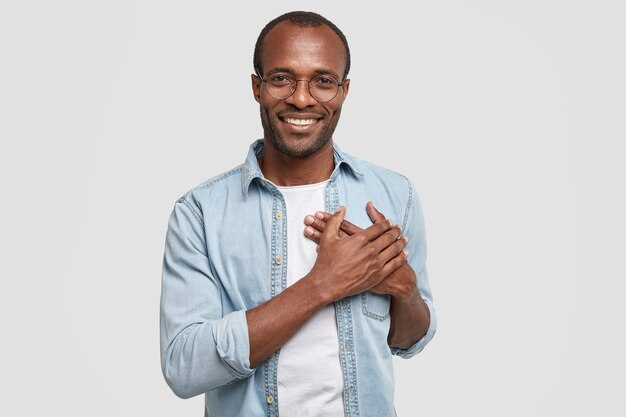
(507, 116)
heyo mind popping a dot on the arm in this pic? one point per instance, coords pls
(413, 321)
(344, 266)
(201, 350)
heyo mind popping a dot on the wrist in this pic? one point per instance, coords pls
(318, 290)
(405, 290)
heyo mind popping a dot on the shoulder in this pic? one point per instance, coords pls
(375, 175)
(214, 190)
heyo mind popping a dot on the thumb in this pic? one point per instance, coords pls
(375, 215)
(334, 224)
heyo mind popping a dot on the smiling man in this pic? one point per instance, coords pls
(270, 304)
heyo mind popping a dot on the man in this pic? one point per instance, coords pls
(270, 304)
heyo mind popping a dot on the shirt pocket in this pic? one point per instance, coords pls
(375, 306)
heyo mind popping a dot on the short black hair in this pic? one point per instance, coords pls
(303, 20)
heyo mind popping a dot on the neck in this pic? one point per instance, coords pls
(288, 171)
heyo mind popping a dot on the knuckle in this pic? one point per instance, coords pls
(378, 263)
(361, 239)
(381, 227)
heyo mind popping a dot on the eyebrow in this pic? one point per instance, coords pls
(290, 71)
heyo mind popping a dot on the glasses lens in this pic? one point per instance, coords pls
(280, 86)
(323, 88)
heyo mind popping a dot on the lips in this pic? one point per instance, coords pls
(300, 120)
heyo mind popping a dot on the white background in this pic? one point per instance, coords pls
(507, 116)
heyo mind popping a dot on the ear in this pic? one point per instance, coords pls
(256, 87)
(346, 87)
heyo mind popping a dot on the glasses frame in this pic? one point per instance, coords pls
(308, 86)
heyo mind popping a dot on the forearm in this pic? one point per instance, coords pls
(271, 325)
(410, 319)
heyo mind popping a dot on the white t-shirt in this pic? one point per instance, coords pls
(310, 382)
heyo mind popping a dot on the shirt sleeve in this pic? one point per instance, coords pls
(201, 349)
(413, 226)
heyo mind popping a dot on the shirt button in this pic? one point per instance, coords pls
(270, 399)
(262, 183)
(279, 215)
(346, 346)
(350, 392)
(279, 260)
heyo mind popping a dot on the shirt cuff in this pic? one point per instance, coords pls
(233, 344)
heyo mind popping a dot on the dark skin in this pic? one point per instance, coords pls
(297, 155)
(409, 313)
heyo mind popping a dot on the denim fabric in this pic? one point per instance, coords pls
(226, 252)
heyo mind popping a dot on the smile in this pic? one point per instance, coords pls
(300, 122)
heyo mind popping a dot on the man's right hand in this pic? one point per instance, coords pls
(345, 266)
(350, 265)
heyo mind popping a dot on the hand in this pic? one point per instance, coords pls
(350, 264)
(401, 283)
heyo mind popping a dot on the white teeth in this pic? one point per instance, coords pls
(300, 122)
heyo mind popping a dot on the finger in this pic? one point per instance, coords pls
(388, 238)
(375, 230)
(315, 223)
(348, 228)
(395, 263)
(392, 250)
(375, 215)
(333, 224)
(312, 234)
(320, 225)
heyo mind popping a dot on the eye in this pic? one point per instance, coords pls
(280, 79)
(324, 82)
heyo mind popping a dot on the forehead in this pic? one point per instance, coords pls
(303, 50)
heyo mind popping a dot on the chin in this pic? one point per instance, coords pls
(302, 148)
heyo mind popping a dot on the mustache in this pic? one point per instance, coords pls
(296, 110)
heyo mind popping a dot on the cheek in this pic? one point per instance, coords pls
(269, 108)
(333, 111)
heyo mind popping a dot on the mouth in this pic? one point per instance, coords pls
(299, 122)
(302, 123)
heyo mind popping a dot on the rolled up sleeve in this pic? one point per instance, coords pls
(201, 348)
(414, 228)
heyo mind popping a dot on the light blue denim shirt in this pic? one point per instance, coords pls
(226, 252)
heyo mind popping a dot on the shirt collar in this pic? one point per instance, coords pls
(251, 169)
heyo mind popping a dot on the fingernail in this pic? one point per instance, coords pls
(319, 215)
(309, 219)
(309, 231)
(406, 239)
(406, 253)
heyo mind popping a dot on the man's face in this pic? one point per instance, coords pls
(299, 125)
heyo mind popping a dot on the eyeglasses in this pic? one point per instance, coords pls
(322, 88)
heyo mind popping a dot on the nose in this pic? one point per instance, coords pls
(301, 98)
